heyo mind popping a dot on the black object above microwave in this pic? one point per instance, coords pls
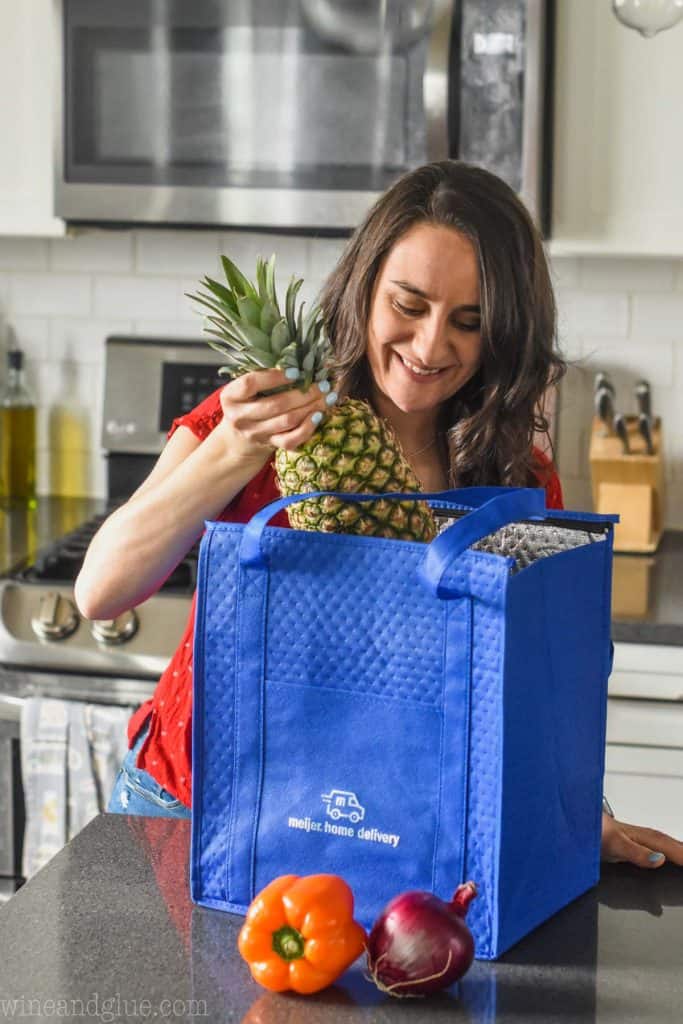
(292, 114)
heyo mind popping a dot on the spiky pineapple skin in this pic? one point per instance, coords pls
(353, 450)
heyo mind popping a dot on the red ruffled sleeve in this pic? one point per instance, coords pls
(202, 419)
(547, 477)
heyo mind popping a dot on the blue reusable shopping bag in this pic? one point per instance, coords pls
(405, 715)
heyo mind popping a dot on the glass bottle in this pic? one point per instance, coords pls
(17, 433)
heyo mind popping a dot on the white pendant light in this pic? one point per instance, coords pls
(648, 16)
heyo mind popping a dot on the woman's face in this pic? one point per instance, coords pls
(424, 336)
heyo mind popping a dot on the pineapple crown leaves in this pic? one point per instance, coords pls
(245, 324)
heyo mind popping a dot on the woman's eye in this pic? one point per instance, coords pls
(468, 326)
(408, 310)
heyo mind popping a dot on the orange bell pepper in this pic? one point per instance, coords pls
(299, 933)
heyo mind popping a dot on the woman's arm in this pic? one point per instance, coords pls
(140, 543)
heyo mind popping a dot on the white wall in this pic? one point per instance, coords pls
(64, 296)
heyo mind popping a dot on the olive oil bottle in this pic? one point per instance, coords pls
(17, 433)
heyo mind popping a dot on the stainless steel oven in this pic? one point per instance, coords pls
(291, 114)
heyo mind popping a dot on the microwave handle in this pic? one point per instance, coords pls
(435, 83)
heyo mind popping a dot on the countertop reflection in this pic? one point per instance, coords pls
(108, 928)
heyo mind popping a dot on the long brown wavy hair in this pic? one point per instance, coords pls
(490, 422)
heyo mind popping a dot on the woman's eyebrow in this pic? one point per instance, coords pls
(411, 288)
(423, 295)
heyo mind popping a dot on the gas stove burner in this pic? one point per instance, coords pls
(60, 562)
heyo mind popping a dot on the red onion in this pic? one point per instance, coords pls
(420, 944)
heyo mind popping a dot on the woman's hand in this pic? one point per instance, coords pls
(644, 847)
(285, 420)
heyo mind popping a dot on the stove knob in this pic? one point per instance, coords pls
(57, 617)
(115, 631)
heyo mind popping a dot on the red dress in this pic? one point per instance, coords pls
(167, 750)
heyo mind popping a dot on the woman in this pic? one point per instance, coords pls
(441, 314)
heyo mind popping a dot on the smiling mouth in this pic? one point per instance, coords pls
(418, 371)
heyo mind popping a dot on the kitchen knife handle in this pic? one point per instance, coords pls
(604, 410)
(603, 381)
(642, 393)
(645, 428)
(621, 431)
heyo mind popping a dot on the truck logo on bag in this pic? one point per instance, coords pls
(341, 803)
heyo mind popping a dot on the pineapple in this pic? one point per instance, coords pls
(352, 450)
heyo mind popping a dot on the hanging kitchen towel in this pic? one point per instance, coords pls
(405, 715)
(70, 753)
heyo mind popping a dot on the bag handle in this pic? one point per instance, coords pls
(494, 507)
(514, 504)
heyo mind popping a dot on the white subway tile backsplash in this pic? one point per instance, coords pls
(564, 271)
(323, 256)
(23, 253)
(190, 314)
(93, 251)
(658, 315)
(571, 452)
(50, 294)
(82, 341)
(63, 297)
(177, 252)
(673, 443)
(172, 329)
(30, 334)
(666, 403)
(136, 298)
(291, 253)
(673, 503)
(627, 275)
(629, 360)
(576, 492)
(601, 312)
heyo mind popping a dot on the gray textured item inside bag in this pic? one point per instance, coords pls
(527, 542)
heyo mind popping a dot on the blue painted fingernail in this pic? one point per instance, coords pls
(292, 373)
(317, 417)
(332, 398)
(654, 858)
(324, 386)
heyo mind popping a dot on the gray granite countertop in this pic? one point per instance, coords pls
(108, 928)
(647, 601)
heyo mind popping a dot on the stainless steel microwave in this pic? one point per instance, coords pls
(291, 114)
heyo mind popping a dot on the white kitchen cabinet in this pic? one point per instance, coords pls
(644, 785)
(26, 86)
(644, 756)
(618, 148)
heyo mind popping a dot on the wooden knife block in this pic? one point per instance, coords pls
(630, 485)
(631, 586)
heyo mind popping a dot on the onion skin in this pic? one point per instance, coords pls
(421, 944)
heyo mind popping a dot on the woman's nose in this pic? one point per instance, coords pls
(431, 340)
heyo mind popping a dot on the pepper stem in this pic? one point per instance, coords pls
(288, 943)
